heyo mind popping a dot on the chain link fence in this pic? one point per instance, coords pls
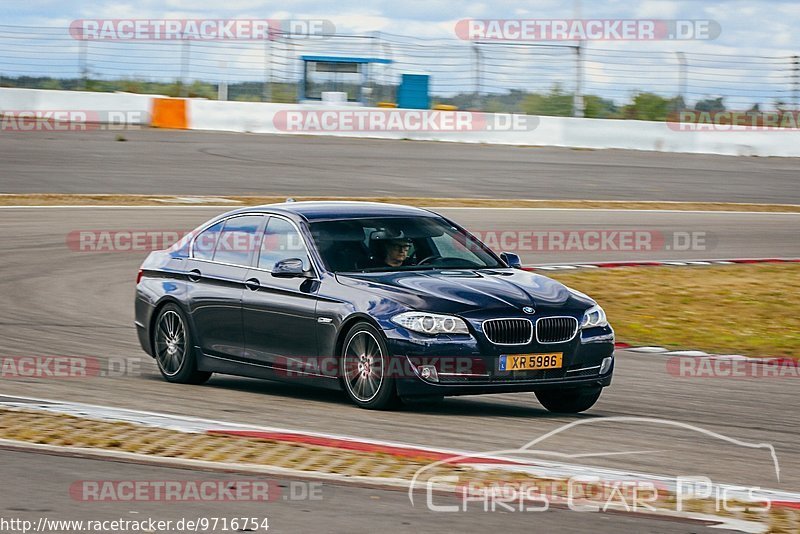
(547, 79)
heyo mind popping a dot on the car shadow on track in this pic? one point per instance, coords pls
(279, 389)
(486, 406)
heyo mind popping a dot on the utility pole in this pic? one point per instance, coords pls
(477, 75)
(185, 51)
(84, 83)
(266, 95)
(795, 80)
(292, 68)
(682, 77)
(578, 104)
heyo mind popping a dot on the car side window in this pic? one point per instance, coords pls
(206, 242)
(281, 242)
(238, 240)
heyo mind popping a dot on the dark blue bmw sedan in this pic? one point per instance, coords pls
(386, 302)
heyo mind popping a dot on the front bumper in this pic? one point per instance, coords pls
(463, 365)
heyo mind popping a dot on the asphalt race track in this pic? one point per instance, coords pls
(58, 301)
(61, 301)
(174, 162)
(350, 508)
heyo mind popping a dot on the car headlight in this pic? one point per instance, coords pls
(594, 316)
(431, 323)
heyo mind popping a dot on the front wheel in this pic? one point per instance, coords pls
(364, 369)
(173, 348)
(569, 400)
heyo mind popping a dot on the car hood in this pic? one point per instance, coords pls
(461, 291)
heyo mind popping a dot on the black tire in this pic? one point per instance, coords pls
(173, 347)
(364, 369)
(569, 400)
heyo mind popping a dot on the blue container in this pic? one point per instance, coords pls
(413, 92)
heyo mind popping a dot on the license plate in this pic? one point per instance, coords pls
(531, 362)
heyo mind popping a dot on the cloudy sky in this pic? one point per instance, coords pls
(749, 28)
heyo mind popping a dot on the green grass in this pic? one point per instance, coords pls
(46, 199)
(738, 309)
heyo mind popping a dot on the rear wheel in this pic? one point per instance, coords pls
(569, 400)
(174, 349)
(364, 369)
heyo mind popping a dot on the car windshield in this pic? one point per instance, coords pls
(398, 244)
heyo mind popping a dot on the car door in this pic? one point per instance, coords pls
(279, 314)
(221, 258)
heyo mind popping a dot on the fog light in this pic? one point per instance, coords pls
(428, 372)
(606, 365)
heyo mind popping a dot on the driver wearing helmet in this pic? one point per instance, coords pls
(389, 250)
(396, 252)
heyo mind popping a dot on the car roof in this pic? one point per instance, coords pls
(337, 210)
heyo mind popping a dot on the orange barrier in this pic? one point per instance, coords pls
(169, 113)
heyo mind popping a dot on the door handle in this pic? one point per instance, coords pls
(252, 284)
(195, 275)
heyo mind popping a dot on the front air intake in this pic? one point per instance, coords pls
(508, 331)
(556, 329)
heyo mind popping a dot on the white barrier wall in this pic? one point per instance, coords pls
(135, 107)
(256, 117)
(550, 131)
(663, 137)
(253, 117)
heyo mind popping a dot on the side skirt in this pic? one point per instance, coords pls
(216, 364)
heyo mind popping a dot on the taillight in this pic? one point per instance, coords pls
(139, 276)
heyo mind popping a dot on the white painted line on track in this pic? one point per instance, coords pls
(179, 422)
(690, 353)
(229, 207)
(355, 480)
(186, 463)
(658, 263)
(157, 207)
(189, 424)
(619, 210)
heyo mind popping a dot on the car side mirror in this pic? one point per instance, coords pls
(290, 268)
(511, 259)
